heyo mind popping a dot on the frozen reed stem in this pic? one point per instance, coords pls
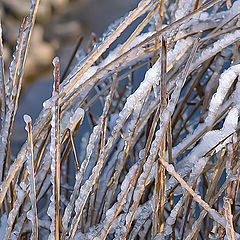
(32, 214)
(55, 151)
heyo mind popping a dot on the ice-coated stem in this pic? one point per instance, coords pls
(55, 150)
(14, 168)
(32, 214)
(159, 199)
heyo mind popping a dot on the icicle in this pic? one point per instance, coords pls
(105, 178)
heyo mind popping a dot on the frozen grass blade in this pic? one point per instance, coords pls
(55, 151)
(58, 146)
(164, 96)
(139, 28)
(229, 219)
(79, 42)
(158, 217)
(17, 63)
(32, 214)
(31, 21)
(8, 122)
(3, 81)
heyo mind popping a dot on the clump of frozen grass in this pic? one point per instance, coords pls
(160, 159)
